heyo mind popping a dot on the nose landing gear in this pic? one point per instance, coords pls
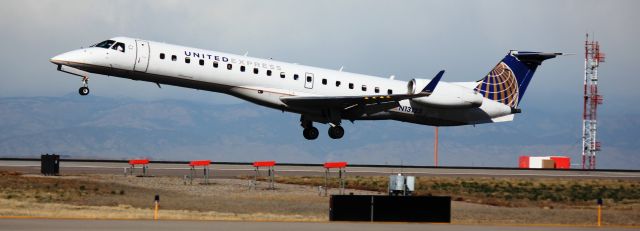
(84, 90)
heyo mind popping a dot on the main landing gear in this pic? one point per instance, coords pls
(336, 132)
(84, 90)
(311, 133)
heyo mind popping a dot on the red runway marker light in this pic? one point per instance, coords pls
(269, 163)
(134, 162)
(335, 164)
(200, 163)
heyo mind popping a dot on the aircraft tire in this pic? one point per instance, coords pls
(83, 91)
(310, 133)
(336, 132)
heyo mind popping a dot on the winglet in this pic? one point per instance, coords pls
(434, 82)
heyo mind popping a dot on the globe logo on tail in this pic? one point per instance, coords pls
(500, 85)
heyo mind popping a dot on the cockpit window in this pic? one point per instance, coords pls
(105, 44)
(119, 47)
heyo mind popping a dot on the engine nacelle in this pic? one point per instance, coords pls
(416, 85)
(445, 95)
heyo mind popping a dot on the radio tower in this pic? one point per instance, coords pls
(592, 59)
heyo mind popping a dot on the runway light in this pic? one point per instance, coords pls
(599, 201)
(156, 202)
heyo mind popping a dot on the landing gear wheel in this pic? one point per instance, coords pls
(310, 133)
(336, 132)
(83, 91)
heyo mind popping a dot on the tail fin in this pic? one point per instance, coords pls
(507, 81)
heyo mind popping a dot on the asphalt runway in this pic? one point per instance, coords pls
(148, 225)
(233, 170)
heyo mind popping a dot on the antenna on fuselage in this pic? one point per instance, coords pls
(392, 77)
(341, 67)
(246, 53)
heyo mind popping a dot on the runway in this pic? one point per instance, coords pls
(233, 170)
(148, 225)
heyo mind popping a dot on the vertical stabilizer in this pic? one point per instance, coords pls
(508, 80)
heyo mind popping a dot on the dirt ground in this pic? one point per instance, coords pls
(117, 196)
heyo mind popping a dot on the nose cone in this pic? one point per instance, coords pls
(67, 58)
(61, 58)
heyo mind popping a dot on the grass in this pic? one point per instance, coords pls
(54, 190)
(98, 191)
(510, 192)
(17, 208)
(476, 200)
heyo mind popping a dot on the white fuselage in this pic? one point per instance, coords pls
(167, 64)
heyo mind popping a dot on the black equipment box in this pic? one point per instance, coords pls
(390, 208)
(50, 165)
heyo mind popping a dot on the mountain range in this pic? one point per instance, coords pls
(121, 128)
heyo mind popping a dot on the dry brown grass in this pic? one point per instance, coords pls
(508, 192)
(116, 196)
(108, 196)
(15, 208)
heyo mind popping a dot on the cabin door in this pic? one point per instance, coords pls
(142, 56)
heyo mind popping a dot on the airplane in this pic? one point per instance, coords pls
(319, 95)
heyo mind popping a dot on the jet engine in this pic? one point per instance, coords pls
(446, 95)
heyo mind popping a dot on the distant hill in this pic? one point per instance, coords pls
(96, 127)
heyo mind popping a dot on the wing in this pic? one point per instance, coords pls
(344, 102)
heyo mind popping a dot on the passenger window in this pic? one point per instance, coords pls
(255, 70)
(201, 62)
(282, 75)
(242, 68)
(337, 83)
(324, 81)
(215, 64)
(364, 87)
(187, 60)
(350, 85)
(174, 58)
(295, 76)
(161, 55)
(229, 66)
(119, 47)
(309, 79)
(389, 92)
(376, 90)
(268, 72)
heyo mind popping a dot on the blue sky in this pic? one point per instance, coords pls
(407, 39)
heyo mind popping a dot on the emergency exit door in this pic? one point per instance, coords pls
(308, 80)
